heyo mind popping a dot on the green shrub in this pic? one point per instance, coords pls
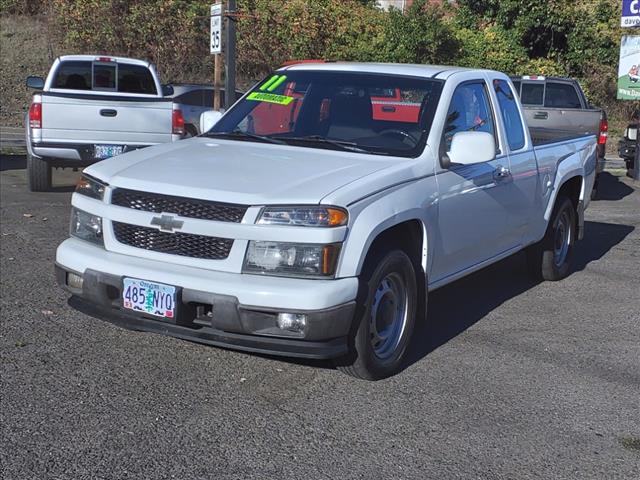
(421, 35)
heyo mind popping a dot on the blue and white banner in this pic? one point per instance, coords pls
(630, 13)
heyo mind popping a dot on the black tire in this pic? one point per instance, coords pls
(547, 259)
(596, 185)
(39, 173)
(190, 131)
(366, 361)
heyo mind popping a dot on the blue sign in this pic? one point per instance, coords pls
(630, 13)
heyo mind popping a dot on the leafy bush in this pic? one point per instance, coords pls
(276, 31)
(421, 35)
(492, 47)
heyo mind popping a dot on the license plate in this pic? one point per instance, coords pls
(106, 151)
(149, 297)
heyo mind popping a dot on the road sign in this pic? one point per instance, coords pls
(216, 28)
(630, 13)
(629, 68)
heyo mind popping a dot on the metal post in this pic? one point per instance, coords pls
(635, 172)
(217, 81)
(230, 55)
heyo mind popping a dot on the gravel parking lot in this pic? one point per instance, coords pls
(509, 379)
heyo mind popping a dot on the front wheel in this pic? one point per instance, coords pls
(386, 318)
(550, 259)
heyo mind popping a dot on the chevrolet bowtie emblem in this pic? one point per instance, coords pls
(167, 223)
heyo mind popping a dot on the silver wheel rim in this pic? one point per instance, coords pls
(388, 315)
(562, 239)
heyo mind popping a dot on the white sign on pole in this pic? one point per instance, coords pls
(216, 28)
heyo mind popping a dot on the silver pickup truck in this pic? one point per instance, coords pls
(554, 104)
(94, 107)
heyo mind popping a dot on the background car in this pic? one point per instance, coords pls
(556, 103)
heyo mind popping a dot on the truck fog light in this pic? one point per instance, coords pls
(74, 280)
(292, 322)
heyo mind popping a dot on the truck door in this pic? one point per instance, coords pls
(524, 181)
(474, 200)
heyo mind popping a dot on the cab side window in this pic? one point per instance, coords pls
(510, 115)
(469, 111)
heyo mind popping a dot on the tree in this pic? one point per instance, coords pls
(421, 35)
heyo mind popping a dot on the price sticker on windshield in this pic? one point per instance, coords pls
(270, 98)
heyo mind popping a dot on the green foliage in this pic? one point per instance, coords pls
(421, 35)
(276, 31)
(540, 27)
(492, 47)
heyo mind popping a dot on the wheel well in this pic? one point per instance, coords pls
(407, 236)
(571, 188)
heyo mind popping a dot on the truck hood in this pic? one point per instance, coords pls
(239, 172)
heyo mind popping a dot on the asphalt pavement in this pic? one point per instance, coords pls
(508, 378)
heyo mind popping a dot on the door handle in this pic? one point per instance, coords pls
(107, 112)
(501, 173)
(388, 109)
(541, 115)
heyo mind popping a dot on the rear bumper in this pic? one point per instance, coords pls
(71, 154)
(249, 325)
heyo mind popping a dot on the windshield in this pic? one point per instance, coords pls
(358, 112)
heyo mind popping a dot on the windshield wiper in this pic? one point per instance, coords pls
(342, 144)
(238, 134)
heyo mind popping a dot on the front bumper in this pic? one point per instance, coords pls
(229, 321)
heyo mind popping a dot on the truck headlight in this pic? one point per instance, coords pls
(86, 227)
(292, 259)
(304, 216)
(91, 187)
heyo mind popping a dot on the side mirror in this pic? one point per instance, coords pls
(35, 82)
(208, 120)
(167, 90)
(468, 148)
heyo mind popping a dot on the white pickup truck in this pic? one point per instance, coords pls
(306, 223)
(94, 107)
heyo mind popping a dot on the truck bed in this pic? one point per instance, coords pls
(545, 136)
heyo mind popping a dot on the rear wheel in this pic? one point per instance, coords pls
(190, 131)
(385, 318)
(550, 259)
(39, 173)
